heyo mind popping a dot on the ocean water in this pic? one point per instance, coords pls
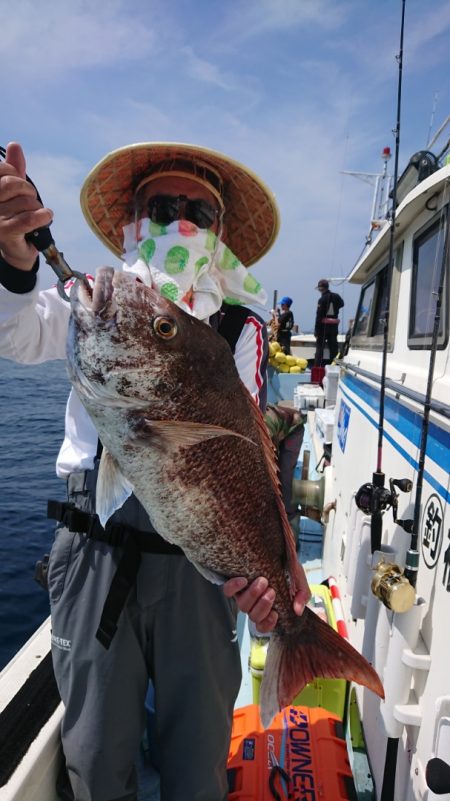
(32, 405)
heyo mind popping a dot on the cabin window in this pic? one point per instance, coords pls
(428, 252)
(364, 314)
(381, 303)
(368, 331)
(372, 307)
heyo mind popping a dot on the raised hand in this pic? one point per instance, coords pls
(20, 210)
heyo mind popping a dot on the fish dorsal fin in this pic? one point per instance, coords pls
(169, 434)
(295, 572)
(113, 488)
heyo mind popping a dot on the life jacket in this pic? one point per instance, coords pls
(328, 308)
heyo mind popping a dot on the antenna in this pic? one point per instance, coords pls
(433, 112)
(382, 187)
(438, 132)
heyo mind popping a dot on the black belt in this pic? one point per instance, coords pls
(115, 534)
(133, 541)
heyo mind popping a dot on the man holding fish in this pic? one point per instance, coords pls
(227, 218)
(163, 434)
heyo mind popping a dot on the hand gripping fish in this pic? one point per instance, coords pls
(181, 431)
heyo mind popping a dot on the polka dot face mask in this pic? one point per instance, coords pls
(190, 266)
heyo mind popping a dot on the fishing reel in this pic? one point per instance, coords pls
(390, 584)
(392, 587)
(374, 498)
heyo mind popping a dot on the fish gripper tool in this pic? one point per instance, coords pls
(43, 241)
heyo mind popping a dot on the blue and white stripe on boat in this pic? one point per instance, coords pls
(406, 422)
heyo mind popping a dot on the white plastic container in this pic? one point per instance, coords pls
(330, 384)
(309, 396)
(324, 424)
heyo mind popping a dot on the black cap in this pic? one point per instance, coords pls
(322, 284)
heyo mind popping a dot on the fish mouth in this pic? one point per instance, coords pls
(99, 300)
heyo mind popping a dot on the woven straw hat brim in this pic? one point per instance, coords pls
(252, 217)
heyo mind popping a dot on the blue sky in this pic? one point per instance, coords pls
(299, 90)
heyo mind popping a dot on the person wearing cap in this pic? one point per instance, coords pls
(147, 202)
(285, 324)
(327, 322)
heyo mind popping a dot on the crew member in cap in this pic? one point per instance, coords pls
(285, 324)
(143, 201)
(327, 322)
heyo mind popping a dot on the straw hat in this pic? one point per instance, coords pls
(252, 217)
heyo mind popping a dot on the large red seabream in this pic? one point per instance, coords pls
(181, 431)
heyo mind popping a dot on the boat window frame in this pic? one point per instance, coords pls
(424, 341)
(369, 341)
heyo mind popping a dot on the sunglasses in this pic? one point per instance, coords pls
(165, 209)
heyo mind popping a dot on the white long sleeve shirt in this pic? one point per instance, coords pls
(33, 329)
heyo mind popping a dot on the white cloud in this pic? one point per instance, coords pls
(427, 29)
(252, 18)
(135, 121)
(51, 39)
(205, 71)
(425, 43)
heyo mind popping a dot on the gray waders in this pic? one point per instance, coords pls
(176, 628)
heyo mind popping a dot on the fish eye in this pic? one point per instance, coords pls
(165, 327)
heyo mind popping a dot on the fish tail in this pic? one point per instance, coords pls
(311, 651)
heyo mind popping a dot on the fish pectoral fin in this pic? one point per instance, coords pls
(113, 488)
(176, 433)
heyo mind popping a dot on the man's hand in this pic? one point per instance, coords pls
(20, 210)
(256, 600)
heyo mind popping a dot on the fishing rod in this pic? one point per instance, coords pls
(43, 241)
(390, 760)
(374, 498)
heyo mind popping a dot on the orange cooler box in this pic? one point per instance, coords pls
(302, 756)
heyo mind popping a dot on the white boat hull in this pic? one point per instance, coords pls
(35, 777)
